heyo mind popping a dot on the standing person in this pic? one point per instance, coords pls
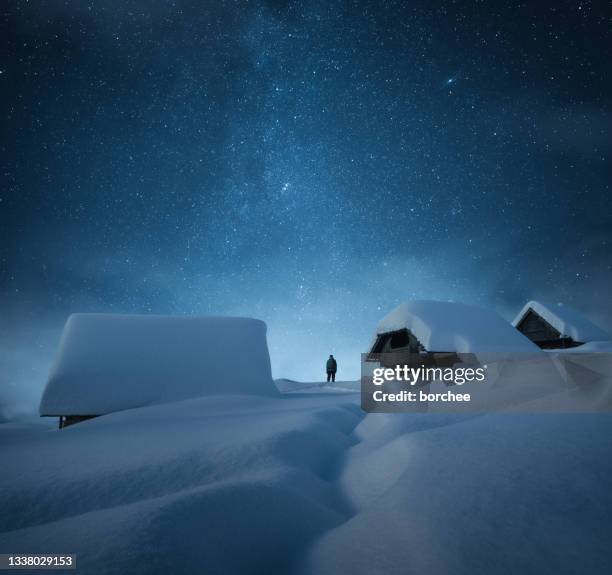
(331, 367)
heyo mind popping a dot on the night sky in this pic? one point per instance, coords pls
(312, 164)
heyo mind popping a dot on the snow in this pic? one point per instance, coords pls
(588, 347)
(449, 326)
(249, 476)
(309, 484)
(108, 362)
(465, 495)
(567, 321)
(217, 484)
(292, 386)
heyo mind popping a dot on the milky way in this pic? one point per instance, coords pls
(308, 163)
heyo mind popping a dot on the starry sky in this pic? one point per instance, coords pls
(309, 163)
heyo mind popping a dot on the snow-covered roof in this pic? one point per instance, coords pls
(458, 327)
(108, 362)
(567, 321)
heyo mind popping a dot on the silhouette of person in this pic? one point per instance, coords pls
(331, 366)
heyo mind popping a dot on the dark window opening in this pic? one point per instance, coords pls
(399, 339)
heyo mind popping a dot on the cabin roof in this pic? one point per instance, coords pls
(566, 320)
(450, 326)
(109, 362)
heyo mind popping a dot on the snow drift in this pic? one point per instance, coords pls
(108, 363)
(310, 485)
(456, 495)
(216, 484)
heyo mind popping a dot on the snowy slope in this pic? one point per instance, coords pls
(448, 495)
(109, 362)
(309, 484)
(238, 484)
(567, 321)
(450, 326)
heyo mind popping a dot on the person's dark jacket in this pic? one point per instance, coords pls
(332, 365)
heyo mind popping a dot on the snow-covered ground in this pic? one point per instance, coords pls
(307, 483)
(291, 386)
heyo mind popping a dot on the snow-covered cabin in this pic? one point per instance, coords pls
(446, 329)
(107, 362)
(557, 326)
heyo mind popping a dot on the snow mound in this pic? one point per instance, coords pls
(108, 363)
(310, 485)
(218, 484)
(567, 321)
(449, 326)
(455, 495)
